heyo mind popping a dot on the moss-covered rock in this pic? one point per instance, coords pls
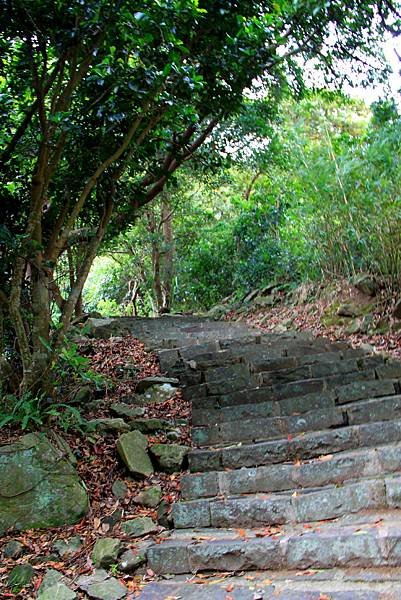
(139, 526)
(53, 587)
(39, 487)
(20, 576)
(132, 449)
(169, 457)
(151, 425)
(105, 552)
(150, 497)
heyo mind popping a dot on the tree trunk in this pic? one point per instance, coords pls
(168, 257)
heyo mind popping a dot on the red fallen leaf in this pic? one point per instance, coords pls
(230, 587)
(289, 437)
(242, 533)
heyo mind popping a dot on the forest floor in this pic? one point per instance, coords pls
(311, 316)
(98, 464)
(99, 467)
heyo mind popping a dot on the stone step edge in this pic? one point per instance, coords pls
(173, 356)
(286, 407)
(229, 395)
(277, 365)
(267, 428)
(217, 483)
(333, 441)
(291, 506)
(334, 584)
(349, 546)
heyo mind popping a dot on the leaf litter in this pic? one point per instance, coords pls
(99, 467)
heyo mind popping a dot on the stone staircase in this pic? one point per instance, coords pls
(297, 470)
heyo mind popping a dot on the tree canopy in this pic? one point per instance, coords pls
(103, 101)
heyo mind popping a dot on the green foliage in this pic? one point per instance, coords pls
(325, 204)
(31, 412)
(71, 365)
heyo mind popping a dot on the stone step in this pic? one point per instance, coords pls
(312, 584)
(246, 376)
(261, 358)
(321, 369)
(322, 471)
(263, 362)
(298, 447)
(292, 506)
(295, 405)
(348, 388)
(372, 540)
(254, 343)
(268, 428)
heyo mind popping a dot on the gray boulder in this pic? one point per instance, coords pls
(67, 548)
(54, 587)
(349, 310)
(217, 312)
(151, 425)
(132, 559)
(125, 410)
(366, 284)
(39, 488)
(148, 382)
(13, 549)
(82, 396)
(106, 424)
(132, 449)
(119, 488)
(156, 394)
(169, 457)
(101, 586)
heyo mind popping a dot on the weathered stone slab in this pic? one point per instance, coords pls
(329, 503)
(191, 514)
(132, 449)
(391, 370)
(101, 586)
(149, 497)
(156, 394)
(127, 410)
(106, 424)
(54, 586)
(105, 551)
(360, 390)
(325, 369)
(334, 549)
(147, 382)
(199, 486)
(235, 555)
(285, 375)
(170, 557)
(377, 409)
(250, 512)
